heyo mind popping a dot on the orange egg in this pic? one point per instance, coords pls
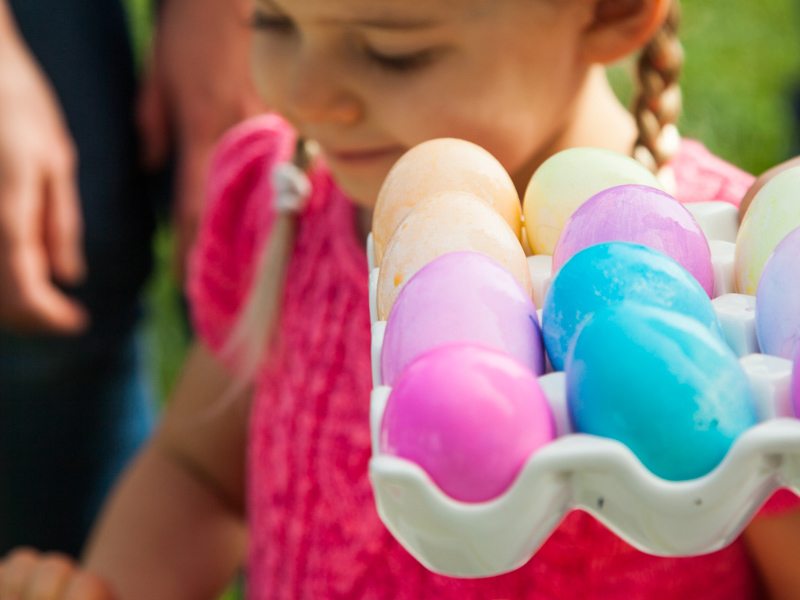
(436, 166)
(447, 222)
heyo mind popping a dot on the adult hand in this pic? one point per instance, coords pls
(198, 85)
(28, 575)
(761, 182)
(40, 220)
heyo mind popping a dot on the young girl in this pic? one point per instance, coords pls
(366, 80)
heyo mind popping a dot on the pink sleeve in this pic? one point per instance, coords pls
(703, 177)
(237, 219)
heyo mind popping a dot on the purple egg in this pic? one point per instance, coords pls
(778, 299)
(461, 297)
(642, 215)
(470, 417)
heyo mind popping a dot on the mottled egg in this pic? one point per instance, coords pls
(641, 214)
(461, 297)
(609, 273)
(470, 417)
(662, 384)
(436, 166)
(568, 179)
(778, 299)
(774, 212)
(449, 222)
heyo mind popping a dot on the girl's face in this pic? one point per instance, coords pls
(369, 79)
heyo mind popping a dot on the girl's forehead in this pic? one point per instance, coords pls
(384, 13)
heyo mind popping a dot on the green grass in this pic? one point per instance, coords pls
(743, 59)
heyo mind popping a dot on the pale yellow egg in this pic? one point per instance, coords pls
(568, 179)
(774, 212)
(448, 222)
(436, 166)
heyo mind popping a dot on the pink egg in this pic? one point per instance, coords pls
(470, 417)
(643, 215)
(778, 299)
(461, 297)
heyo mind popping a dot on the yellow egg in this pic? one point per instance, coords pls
(568, 179)
(448, 222)
(774, 212)
(436, 166)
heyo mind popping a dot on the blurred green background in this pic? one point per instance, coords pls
(742, 68)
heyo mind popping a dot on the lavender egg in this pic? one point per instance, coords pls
(778, 299)
(643, 215)
(461, 297)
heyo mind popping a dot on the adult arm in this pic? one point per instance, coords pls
(40, 220)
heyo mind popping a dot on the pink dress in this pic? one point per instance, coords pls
(314, 529)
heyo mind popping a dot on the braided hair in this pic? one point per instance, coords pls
(658, 103)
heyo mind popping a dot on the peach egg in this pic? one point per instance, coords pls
(568, 179)
(447, 222)
(774, 212)
(442, 165)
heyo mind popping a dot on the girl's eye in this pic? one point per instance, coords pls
(405, 62)
(265, 22)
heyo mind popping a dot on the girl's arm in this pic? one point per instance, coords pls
(774, 544)
(173, 527)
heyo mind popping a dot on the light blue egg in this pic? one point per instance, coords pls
(607, 274)
(660, 383)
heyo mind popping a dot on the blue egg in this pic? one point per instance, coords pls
(660, 383)
(607, 274)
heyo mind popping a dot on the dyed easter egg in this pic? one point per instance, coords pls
(778, 299)
(568, 179)
(662, 384)
(461, 297)
(436, 166)
(609, 273)
(469, 416)
(449, 222)
(774, 212)
(640, 214)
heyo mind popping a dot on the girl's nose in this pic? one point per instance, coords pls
(317, 94)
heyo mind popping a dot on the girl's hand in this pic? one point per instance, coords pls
(40, 219)
(761, 181)
(28, 575)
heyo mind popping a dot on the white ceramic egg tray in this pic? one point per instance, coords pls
(601, 476)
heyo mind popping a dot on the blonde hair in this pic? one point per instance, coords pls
(656, 110)
(658, 103)
(254, 327)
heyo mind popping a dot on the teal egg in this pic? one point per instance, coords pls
(612, 272)
(662, 384)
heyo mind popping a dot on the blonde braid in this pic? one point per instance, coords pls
(254, 327)
(658, 103)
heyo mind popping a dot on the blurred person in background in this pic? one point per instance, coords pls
(81, 147)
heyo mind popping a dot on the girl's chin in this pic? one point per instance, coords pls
(362, 193)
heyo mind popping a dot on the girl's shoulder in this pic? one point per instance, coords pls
(237, 219)
(702, 177)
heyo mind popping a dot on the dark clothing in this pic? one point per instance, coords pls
(73, 410)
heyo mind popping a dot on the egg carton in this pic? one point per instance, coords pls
(600, 476)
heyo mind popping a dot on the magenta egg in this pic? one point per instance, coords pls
(461, 297)
(778, 299)
(642, 215)
(470, 416)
